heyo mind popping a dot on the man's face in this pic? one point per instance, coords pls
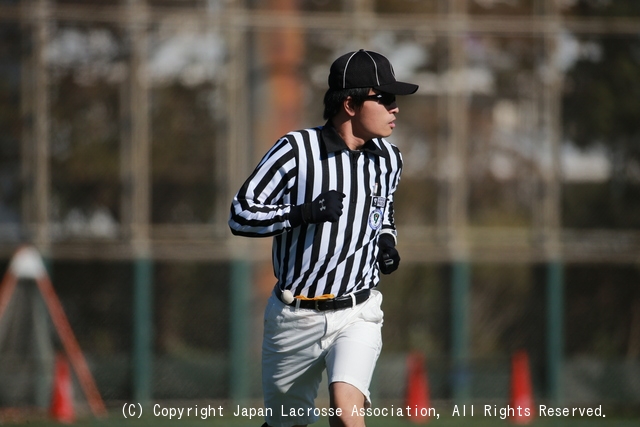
(376, 117)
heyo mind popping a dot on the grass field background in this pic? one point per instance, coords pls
(115, 420)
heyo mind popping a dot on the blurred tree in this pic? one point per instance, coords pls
(85, 146)
(601, 105)
(183, 154)
(602, 98)
(602, 8)
(603, 315)
(10, 123)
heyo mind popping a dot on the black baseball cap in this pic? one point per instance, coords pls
(365, 68)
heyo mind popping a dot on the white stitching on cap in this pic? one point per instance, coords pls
(375, 66)
(344, 73)
(393, 73)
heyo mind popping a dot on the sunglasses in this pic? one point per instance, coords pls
(383, 98)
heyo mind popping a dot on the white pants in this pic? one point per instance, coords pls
(299, 344)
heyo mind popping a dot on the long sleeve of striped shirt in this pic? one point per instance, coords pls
(316, 259)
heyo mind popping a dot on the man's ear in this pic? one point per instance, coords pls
(349, 106)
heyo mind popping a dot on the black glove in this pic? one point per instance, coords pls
(327, 207)
(388, 257)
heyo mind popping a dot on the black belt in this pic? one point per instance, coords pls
(345, 301)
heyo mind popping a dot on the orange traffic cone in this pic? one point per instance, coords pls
(418, 399)
(62, 395)
(521, 390)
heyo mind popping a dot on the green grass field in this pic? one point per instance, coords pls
(371, 422)
(221, 414)
(116, 419)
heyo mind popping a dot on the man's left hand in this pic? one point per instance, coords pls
(388, 257)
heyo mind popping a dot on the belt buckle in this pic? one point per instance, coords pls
(317, 306)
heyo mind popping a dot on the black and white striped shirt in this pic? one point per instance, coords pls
(328, 258)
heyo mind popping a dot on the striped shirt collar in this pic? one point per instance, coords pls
(334, 142)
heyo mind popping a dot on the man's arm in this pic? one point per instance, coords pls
(258, 210)
(388, 257)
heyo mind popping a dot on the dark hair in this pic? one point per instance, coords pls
(333, 99)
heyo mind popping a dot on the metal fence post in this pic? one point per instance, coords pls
(555, 329)
(142, 330)
(460, 330)
(239, 294)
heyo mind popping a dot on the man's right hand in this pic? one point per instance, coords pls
(327, 207)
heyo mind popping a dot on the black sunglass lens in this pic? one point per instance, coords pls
(383, 98)
(387, 98)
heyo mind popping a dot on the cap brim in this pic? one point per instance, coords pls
(398, 88)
